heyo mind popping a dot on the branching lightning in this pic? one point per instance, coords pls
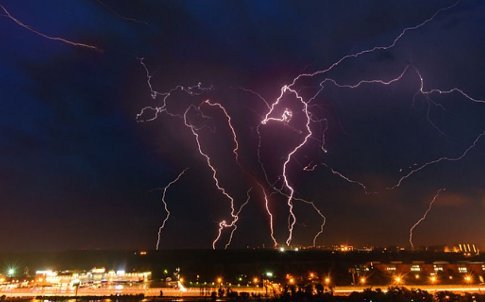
(165, 205)
(234, 214)
(287, 190)
(283, 184)
(285, 118)
(233, 224)
(373, 49)
(430, 206)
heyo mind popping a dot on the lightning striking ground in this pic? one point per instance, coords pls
(430, 206)
(165, 206)
(284, 118)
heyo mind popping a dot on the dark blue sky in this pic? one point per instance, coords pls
(77, 170)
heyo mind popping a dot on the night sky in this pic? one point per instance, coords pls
(79, 171)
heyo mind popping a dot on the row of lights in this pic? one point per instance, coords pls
(433, 279)
(362, 280)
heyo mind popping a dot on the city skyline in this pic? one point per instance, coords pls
(215, 125)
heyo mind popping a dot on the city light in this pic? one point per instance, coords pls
(468, 279)
(255, 280)
(398, 279)
(362, 280)
(219, 280)
(433, 279)
(327, 280)
(11, 271)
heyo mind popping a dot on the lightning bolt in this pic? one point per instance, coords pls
(165, 205)
(234, 214)
(323, 218)
(438, 160)
(312, 167)
(421, 91)
(270, 215)
(314, 207)
(373, 49)
(430, 206)
(117, 14)
(233, 224)
(195, 90)
(223, 225)
(7, 14)
(256, 94)
(284, 118)
(229, 122)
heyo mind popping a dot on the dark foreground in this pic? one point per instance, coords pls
(392, 294)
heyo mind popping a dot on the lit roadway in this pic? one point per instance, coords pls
(172, 292)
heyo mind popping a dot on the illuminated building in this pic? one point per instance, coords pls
(94, 277)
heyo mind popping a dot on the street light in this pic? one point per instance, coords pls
(362, 280)
(327, 280)
(11, 272)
